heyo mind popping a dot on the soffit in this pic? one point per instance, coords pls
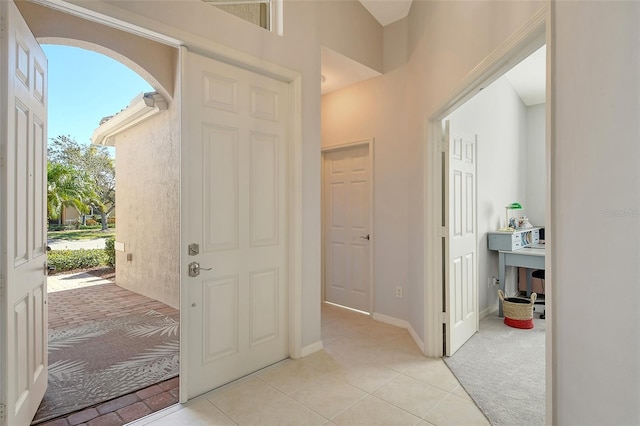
(387, 11)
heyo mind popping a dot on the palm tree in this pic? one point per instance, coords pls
(67, 186)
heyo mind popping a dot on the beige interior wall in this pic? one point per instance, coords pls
(346, 27)
(376, 108)
(148, 207)
(426, 56)
(446, 41)
(595, 213)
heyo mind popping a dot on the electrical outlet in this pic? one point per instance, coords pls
(495, 281)
(398, 291)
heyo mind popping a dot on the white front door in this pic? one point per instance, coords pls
(461, 266)
(23, 280)
(347, 231)
(234, 206)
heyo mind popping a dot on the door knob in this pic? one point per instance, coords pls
(365, 237)
(195, 268)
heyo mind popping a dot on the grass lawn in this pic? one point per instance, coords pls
(81, 234)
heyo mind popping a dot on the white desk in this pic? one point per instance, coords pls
(532, 258)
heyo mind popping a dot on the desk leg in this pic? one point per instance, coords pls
(501, 277)
(529, 282)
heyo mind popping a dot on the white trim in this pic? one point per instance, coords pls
(550, 143)
(526, 40)
(173, 36)
(312, 348)
(109, 20)
(521, 44)
(369, 143)
(402, 324)
(295, 217)
(183, 108)
(141, 108)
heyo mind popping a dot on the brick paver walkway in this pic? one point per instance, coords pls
(97, 302)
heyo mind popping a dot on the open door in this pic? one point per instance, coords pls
(234, 230)
(23, 277)
(461, 283)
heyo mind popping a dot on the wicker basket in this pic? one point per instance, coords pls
(518, 311)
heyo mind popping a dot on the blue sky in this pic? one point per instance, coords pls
(84, 87)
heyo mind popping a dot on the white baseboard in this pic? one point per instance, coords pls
(402, 324)
(488, 311)
(309, 349)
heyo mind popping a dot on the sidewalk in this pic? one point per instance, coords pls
(98, 243)
(62, 282)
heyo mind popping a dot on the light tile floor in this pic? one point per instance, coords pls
(369, 373)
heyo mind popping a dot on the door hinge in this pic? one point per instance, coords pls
(444, 317)
(444, 232)
(2, 412)
(444, 145)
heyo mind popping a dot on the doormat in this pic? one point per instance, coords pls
(98, 361)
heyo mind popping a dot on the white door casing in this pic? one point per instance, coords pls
(235, 202)
(461, 264)
(23, 280)
(347, 227)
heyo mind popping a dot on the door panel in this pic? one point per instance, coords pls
(461, 270)
(346, 219)
(234, 173)
(23, 226)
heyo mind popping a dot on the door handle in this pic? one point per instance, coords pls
(365, 237)
(195, 268)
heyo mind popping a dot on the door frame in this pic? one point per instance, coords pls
(535, 33)
(154, 30)
(369, 143)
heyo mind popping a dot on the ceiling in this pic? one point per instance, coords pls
(529, 77)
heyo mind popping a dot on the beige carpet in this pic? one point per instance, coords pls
(503, 370)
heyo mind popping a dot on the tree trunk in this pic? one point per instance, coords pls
(103, 215)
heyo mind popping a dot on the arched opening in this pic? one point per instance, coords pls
(144, 299)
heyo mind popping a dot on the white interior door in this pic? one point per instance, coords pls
(23, 279)
(234, 175)
(461, 265)
(346, 227)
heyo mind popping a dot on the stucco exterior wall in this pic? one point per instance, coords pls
(148, 207)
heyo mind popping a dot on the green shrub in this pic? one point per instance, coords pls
(90, 226)
(110, 251)
(68, 260)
